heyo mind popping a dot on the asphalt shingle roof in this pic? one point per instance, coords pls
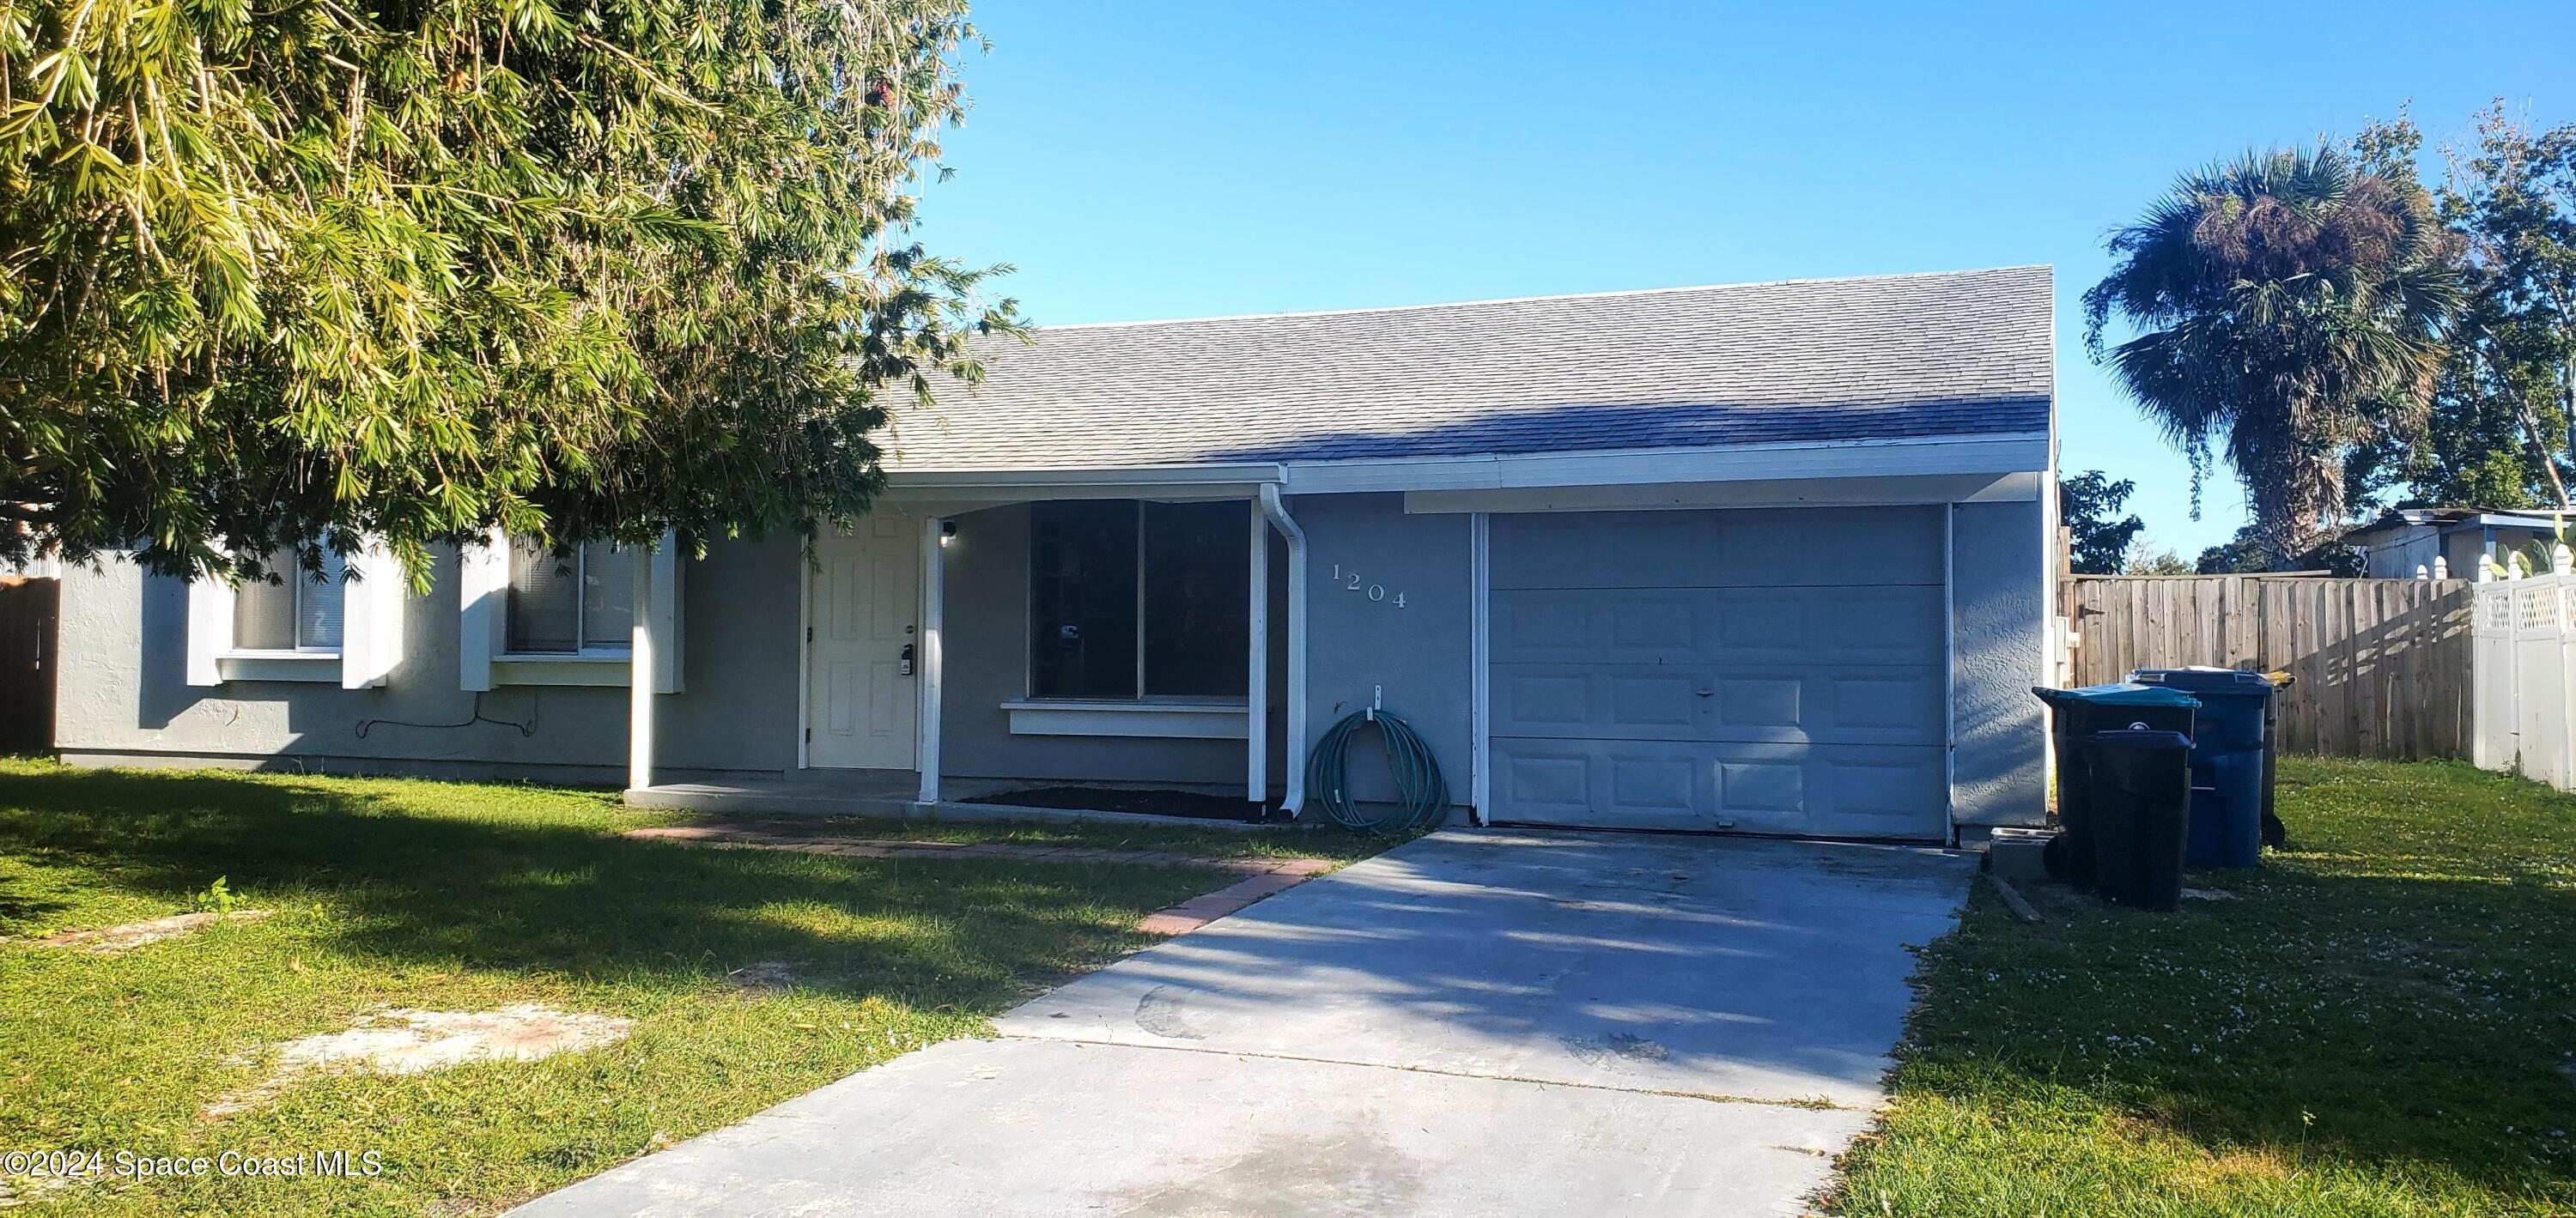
(1959, 353)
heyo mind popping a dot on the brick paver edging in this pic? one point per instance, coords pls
(1263, 876)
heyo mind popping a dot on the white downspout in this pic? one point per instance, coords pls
(1295, 729)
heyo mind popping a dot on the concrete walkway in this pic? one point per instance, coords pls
(1477, 1023)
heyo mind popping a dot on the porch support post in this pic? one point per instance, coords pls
(639, 681)
(1256, 677)
(933, 595)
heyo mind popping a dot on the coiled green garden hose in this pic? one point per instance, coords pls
(1422, 797)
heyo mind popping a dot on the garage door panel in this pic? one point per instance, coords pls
(1709, 627)
(1848, 546)
(1786, 704)
(1812, 790)
(1653, 703)
(1845, 547)
(1579, 624)
(1875, 623)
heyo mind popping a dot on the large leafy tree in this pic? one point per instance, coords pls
(2090, 504)
(2498, 433)
(2282, 307)
(280, 275)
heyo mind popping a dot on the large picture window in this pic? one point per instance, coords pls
(1131, 600)
(571, 604)
(301, 612)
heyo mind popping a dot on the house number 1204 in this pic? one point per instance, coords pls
(1351, 582)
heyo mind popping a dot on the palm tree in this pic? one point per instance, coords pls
(2286, 306)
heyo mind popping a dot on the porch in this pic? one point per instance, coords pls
(1146, 629)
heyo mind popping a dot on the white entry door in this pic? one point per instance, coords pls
(862, 653)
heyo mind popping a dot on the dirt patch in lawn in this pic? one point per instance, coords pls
(405, 1041)
(112, 939)
(766, 977)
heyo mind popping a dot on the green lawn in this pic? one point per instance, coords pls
(457, 897)
(2383, 1021)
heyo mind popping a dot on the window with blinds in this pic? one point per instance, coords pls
(572, 603)
(298, 611)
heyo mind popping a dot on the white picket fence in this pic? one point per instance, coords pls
(2525, 666)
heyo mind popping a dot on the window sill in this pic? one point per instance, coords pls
(1172, 720)
(279, 666)
(604, 669)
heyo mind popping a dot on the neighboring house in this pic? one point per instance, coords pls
(1766, 558)
(2403, 542)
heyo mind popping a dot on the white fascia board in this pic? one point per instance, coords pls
(1228, 481)
(1999, 454)
(1764, 493)
(2518, 520)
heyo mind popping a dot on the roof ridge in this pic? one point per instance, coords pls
(1504, 300)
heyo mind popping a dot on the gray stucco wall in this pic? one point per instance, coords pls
(124, 695)
(1422, 654)
(1999, 613)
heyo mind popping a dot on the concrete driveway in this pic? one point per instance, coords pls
(1477, 1023)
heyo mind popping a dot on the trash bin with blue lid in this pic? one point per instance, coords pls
(2074, 716)
(2230, 760)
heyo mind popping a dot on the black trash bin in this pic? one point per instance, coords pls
(2074, 715)
(2141, 809)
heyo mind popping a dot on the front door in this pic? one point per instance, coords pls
(865, 621)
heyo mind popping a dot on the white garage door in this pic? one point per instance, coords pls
(1755, 671)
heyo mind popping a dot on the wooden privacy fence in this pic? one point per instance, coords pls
(2384, 667)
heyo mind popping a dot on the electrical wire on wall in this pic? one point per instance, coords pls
(528, 728)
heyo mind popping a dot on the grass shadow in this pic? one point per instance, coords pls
(493, 878)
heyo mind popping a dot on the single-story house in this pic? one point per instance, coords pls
(2403, 543)
(1768, 558)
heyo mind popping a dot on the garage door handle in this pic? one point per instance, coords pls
(1708, 693)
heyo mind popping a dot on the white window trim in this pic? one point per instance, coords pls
(370, 632)
(1142, 700)
(1180, 720)
(300, 665)
(598, 668)
(484, 661)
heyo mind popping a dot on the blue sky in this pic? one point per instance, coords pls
(1143, 160)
